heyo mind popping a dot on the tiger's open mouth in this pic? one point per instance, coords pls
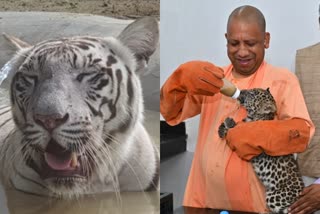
(61, 164)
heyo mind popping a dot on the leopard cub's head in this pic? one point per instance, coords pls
(259, 103)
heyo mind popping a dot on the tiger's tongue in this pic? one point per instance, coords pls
(58, 162)
(58, 158)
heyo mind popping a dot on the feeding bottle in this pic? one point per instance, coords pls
(229, 89)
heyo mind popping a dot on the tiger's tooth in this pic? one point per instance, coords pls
(74, 160)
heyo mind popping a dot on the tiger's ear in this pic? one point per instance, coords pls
(16, 43)
(141, 37)
(19, 50)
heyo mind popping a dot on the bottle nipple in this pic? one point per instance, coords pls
(229, 89)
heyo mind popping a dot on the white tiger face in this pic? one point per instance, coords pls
(75, 101)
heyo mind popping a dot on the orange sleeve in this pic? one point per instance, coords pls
(274, 137)
(177, 105)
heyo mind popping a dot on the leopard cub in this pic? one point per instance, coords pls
(279, 174)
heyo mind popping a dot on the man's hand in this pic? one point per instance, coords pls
(308, 202)
(197, 78)
(190, 82)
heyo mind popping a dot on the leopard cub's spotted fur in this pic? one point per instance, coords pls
(279, 174)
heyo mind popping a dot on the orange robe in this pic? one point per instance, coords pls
(218, 177)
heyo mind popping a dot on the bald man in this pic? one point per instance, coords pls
(221, 177)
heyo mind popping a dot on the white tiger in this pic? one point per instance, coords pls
(75, 122)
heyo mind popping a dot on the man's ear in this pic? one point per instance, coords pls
(16, 43)
(266, 40)
(226, 36)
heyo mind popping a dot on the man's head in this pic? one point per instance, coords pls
(247, 39)
(319, 14)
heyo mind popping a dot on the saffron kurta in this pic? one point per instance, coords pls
(218, 177)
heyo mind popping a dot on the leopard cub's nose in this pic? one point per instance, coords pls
(50, 122)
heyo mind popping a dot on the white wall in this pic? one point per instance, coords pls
(194, 29)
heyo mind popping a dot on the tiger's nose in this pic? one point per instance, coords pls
(50, 122)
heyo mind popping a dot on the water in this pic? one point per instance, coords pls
(5, 71)
(132, 202)
(4, 93)
(4, 97)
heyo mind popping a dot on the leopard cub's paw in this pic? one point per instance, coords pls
(229, 122)
(222, 131)
(225, 126)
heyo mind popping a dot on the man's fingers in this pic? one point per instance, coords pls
(209, 86)
(307, 210)
(299, 206)
(214, 83)
(218, 72)
(308, 201)
(306, 190)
